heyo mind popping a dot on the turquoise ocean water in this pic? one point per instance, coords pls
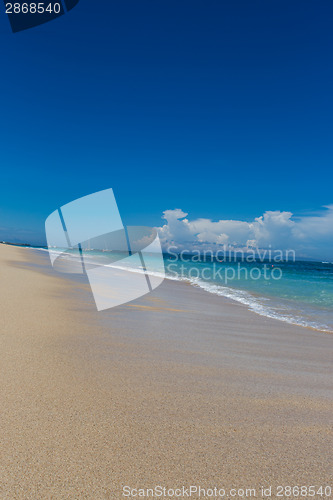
(297, 292)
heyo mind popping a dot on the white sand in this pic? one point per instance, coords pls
(178, 388)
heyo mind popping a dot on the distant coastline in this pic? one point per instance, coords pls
(234, 256)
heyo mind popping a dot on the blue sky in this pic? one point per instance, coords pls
(221, 109)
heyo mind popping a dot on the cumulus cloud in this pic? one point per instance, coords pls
(310, 236)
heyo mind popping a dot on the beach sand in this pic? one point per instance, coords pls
(178, 388)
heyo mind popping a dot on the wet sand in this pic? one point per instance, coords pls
(177, 388)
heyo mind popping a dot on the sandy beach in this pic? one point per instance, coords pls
(177, 388)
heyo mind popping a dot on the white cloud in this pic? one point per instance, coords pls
(311, 236)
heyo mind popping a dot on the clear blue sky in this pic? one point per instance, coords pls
(221, 108)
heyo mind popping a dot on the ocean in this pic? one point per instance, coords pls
(296, 292)
(299, 293)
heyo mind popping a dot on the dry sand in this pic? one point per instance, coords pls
(177, 388)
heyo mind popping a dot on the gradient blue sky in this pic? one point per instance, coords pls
(220, 108)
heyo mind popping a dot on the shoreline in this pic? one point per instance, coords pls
(254, 301)
(178, 387)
